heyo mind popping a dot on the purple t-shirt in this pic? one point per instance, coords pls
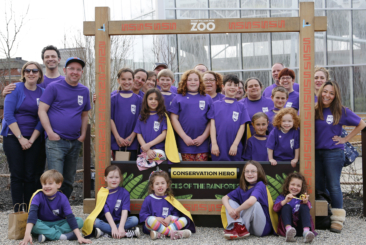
(52, 210)
(228, 119)
(261, 105)
(294, 203)
(27, 113)
(192, 111)
(141, 94)
(152, 129)
(268, 91)
(47, 81)
(325, 130)
(168, 100)
(315, 99)
(125, 113)
(256, 150)
(293, 100)
(259, 191)
(283, 145)
(66, 105)
(271, 114)
(115, 203)
(219, 96)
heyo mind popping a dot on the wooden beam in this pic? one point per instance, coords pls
(86, 163)
(102, 90)
(307, 111)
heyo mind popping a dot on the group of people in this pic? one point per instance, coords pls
(222, 118)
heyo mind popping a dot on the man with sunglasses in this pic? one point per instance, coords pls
(63, 111)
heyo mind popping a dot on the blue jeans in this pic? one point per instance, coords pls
(131, 221)
(62, 155)
(328, 169)
(304, 218)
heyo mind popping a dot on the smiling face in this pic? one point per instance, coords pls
(50, 187)
(231, 89)
(160, 185)
(239, 95)
(125, 81)
(210, 82)
(275, 71)
(193, 83)
(73, 72)
(279, 100)
(319, 79)
(295, 186)
(50, 59)
(287, 123)
(140, 79)
(260, 126)
(251, 174)
(150, 83)
(152, 101)
(287, 82)
(31, 78)
(113, 179)
(328, 95)
(253, 89)
(165, 83)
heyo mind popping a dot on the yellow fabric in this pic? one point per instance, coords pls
(175, 203)
(89, 222)
(35, 193)
(171, 149)
(272, 214)
(249, 134)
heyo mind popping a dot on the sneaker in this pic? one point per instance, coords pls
(156, 235)
(41, 238)
(239, 231)
(308, 237)
(290, 235)
(134, 232)
(98, 233)
(174, 235)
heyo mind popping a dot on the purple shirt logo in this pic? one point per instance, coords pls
(156, 126)
(292, 142)
(37, 101)
(165, 212)
(133, 109)
(56, 212)
(80, 99)
(265, 109)
(330, 119)
(118, 203)
(235, 116)
(202, 104)
(288, 104)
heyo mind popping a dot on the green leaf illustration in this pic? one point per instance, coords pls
(139, 190)
(126, 180)
(124, 175)
(280, 179)
(219, 196)
(130, 185)
(284, 175)
(145, 195)
(276, 185)
(274, 193)
(189, 196)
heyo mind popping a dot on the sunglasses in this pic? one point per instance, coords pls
(31, 70)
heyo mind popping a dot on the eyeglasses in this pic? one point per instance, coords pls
(250, 172)
(35, 71)
(74, 70)
(209, 80)
(285, 78)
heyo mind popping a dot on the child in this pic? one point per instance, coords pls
(151, 128)
(293, 207)
(284, 141)
(256, 145)
(112, 208)
(166, 79)
(125, 109)
(161, 213)
(189, 117)
(248, 208)
(50, 215)
(279, 97)
(228, 118)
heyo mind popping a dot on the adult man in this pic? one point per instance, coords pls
(157, 68)
(276, 68)
(201, 68)
(63, 112)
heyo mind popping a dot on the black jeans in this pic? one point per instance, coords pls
(304, 218)
(41, 162)
(22, 166)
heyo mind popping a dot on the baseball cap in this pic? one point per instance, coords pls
(75, 59)
(160, 64)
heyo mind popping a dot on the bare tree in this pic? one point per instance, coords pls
(165, 51)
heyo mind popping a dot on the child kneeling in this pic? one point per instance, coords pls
(50, 215)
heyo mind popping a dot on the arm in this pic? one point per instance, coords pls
(110, 220)
(120, 141)
(16, 131)
(122, 223)
(130, 138)
(270, 157)
(81, 239)
(296, 159)
(247, 204)
(232, 213)
(215, 148)
(234, 147)
(142, 142)
(157, 140)
(84, 125)
(200, 139)
(178, 128)
(43, 116)
(34, 136)
(27, 235)
(354, 132)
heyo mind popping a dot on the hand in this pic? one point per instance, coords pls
(81, 138)
(293, 162)
(115, 233)
(8, 89)
(233, 150)
(188, 140)
(234, 213)
(94, 98)
(199, 140)
(161, 221)
(82, 240)
(289, 198)
(122, 231)
(54, 137)
(145, 147)
(121, 142)
(25, 143)
(339, 139)
(306, 199)
(129, 140)
(151, 154)
(27, 238)
(215, 150)
(167, 221)
(273, 162)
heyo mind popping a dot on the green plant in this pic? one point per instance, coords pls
(189, 196)
(219, 196)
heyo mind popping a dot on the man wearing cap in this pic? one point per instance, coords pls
(157, 68)
(63, 111)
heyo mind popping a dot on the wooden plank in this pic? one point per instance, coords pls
(89, 28)
(102, 90)
(307, 111)
(321, 23)
(363, 132)
(321, 208)
(86, 163)
(88, 205)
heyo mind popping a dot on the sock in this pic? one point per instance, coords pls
(152, 223)
(63, 237)
(306, 229)
(179, 224)
(288, 227)
(68, 236)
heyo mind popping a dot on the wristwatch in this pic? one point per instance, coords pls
(19, 136)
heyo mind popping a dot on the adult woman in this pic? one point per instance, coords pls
(213, 83)
(253, 100)
(321, 75)
(330, 116)
(240, 93)
(150, 81)
(139, 81)
(21, 130)
(287, 80)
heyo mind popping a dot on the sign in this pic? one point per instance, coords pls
(204, 173)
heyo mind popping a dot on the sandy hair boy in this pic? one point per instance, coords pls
(166, 79)
(50, 215)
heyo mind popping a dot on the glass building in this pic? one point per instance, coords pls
(339, 49)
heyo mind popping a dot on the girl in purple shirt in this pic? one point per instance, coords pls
(152, 126)
(284, 141)
(321, 75)
(189, 117)
(256, 145)
(330, 116)
(213, 84)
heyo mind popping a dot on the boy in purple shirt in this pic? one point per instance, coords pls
(63, 112)
(166, 79)
(50, 215)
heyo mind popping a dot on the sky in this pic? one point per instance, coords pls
(48, 22)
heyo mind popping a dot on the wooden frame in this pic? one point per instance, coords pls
(306, 24)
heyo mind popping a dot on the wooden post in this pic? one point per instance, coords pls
(86, 163)
(102, 90)
(363, 149)
(307, 111)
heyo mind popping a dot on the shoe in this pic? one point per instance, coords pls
(337, 219)
(290, 235)
(134, 232)
(308, 237)
(41, 238)
(156, 235)
(239, 231)
(174, 235)
(98, 233)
